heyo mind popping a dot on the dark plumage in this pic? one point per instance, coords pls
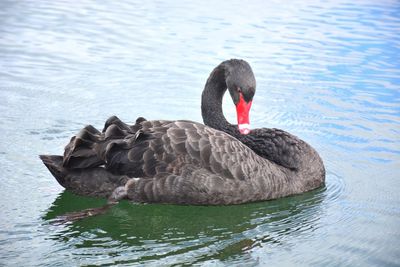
(185, 162)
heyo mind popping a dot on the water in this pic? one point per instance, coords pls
(327, 71)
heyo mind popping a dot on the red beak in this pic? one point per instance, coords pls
(242, 110)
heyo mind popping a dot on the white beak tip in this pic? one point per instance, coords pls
(244, 128)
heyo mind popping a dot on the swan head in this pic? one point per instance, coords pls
(241, 84)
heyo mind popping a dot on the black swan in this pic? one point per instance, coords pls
(185, 162)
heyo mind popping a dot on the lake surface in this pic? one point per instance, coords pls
(327, 71)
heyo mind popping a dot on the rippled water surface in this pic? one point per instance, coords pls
(327, 71)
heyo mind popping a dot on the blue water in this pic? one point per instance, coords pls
(327, 71)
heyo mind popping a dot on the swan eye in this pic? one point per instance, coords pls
(239, 90)
(252, 90)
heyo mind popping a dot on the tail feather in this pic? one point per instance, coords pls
(81, 168)
(81, 152)
(87, 149)
(55, 165)
(97, 181)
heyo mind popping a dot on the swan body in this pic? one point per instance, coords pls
(185, 162)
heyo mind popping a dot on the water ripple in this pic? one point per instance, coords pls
(328, 72)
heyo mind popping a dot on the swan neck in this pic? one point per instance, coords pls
(211, 101)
